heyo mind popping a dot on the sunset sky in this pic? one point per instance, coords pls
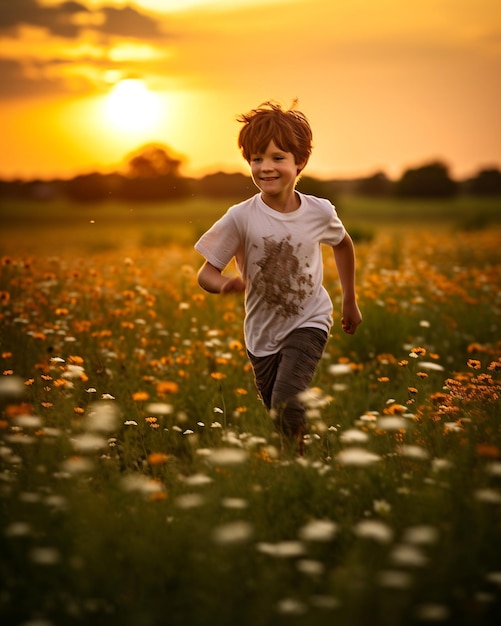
(386, 85)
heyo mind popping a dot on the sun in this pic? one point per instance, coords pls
(131, 106)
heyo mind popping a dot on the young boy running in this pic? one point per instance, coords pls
(275, 238)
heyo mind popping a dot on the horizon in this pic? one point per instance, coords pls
(386, 88)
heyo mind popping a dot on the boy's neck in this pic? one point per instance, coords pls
(287, 204)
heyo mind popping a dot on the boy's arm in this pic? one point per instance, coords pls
(211, 279)
(344, 254)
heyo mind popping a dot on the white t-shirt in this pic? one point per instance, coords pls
(280, 259)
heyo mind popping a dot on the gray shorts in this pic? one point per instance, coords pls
(280, 377)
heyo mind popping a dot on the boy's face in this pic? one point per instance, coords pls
(274, 171)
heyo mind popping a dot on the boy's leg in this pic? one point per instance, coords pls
(299, 358)
(265, 372)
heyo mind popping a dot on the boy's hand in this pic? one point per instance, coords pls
(233, 285)
(351, 318)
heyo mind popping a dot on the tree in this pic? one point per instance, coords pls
(428, 181)
(153, 174)
(376, 185)
(151, 161)
(486, 183)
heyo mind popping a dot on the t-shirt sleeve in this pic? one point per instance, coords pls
(335, 230)
(220, 243)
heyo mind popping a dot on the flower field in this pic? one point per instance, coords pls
(143, 484)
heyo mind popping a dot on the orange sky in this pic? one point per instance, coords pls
(386, 85)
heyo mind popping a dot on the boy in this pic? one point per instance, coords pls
(275, 237)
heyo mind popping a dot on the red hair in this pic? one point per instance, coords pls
(290, 130)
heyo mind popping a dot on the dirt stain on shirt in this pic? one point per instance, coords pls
(281, 281)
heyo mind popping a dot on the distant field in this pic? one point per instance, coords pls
(60, 224)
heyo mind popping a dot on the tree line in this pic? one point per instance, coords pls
(153, 174)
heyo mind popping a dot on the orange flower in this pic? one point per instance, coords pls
(167, 386)
(75, 360)
(12, 410)
(157, 458)
(418, 351)
(218, 376)
(140, 396)
(488, 450)
(474, 364)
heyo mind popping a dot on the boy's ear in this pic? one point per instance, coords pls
(300, 167)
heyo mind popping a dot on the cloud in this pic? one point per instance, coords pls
(69, 19)
(12, 73)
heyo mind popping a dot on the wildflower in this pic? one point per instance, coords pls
(291, 606)
(218, 375)
(190, 501)
(27, 421)
(474, 364)
(88, 442)
(487, 495)
(421, 535)
(405, 555)
(310, 567)
(227, 456)
(356, 457)
(18, 529)
(140, 396)
(77, 465)
(157, 458)
(382, 507)
(159, 408)
(282, 549)
(352, 435)
(141, 484)
(417, 352)
(340, 369)
(130, 423)
(413, 452)
(394, 579)
(74, 371)
(318, 530)
(431, 366)
(391, 423)
(167, 386)
(432, 612)
(234, 503)
(45, 556)
(375, 530)
(197, 480)
(11, 386)
(232, 532)
(487, 450)
(102, 416)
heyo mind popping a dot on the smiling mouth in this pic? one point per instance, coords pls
(269, 178)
